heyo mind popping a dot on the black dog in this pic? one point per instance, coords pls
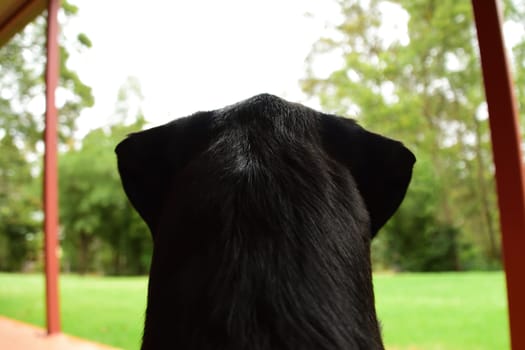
(262, 215)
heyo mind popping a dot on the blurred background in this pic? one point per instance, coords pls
(407, 69)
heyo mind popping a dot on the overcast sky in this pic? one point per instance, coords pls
(194, 55)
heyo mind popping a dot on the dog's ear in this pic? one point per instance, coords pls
(149, 160)
(381, 167)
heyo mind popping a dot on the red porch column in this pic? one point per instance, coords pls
(506, 149)
(50, 172)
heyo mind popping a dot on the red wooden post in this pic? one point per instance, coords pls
(506, 138)
(50, 172)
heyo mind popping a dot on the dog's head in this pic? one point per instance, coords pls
(150, 160)
(262, 194)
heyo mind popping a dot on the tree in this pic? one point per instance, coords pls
(18, 224)
(22, 82)
(426, 90)
(102, 232)
(21, 125)
(415, 239)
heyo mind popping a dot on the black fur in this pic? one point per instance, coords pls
(262, 215)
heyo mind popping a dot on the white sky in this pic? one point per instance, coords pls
(194, 55)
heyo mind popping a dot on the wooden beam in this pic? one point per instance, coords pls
(52, 266)
(25, 13)
(506, 148)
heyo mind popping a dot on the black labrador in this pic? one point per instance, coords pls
(262, 215)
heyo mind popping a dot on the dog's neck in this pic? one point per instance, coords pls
(253, 275)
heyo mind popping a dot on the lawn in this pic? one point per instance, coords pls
(449, 311)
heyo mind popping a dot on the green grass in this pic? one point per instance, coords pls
(452, 311)
(103, 309)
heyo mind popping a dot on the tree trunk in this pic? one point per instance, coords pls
(83, 253)
(494, 251)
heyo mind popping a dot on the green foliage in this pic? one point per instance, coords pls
(101, 231)
(425, 90)
(415, 239)
(22, 87)
(19, 204)
(84, 40)
(22, 82)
